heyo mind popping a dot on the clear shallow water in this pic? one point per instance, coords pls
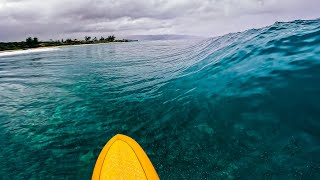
(241, 106)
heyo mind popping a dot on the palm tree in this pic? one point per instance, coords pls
(68, 41)
(35, 41)
(111, 38)
(29, 41)
(87, 38)
(32, 42)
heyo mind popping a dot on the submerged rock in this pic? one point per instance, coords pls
(205, 128)
(87, 157)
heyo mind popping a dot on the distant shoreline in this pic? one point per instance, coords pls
(34, 43)
(48, 47)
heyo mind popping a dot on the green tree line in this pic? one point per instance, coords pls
(34, 42)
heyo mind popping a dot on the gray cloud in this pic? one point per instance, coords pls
(76, 18)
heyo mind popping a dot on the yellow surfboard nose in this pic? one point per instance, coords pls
(123, 158)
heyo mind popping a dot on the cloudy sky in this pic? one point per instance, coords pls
(76, 18)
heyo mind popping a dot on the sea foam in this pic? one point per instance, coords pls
(18, 52)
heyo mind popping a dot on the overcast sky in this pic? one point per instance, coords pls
(76, 18)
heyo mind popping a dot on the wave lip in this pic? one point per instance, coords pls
(28, 51)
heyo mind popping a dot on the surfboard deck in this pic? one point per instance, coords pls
(123, 158)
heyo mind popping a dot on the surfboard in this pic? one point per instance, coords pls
(123, 158)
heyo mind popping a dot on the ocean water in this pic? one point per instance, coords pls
(242, 106)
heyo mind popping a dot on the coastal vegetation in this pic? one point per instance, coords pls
(34, 42)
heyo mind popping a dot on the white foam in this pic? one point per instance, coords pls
(18, 52)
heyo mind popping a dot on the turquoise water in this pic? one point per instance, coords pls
(241, 106)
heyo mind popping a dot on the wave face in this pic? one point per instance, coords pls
(239, 106)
